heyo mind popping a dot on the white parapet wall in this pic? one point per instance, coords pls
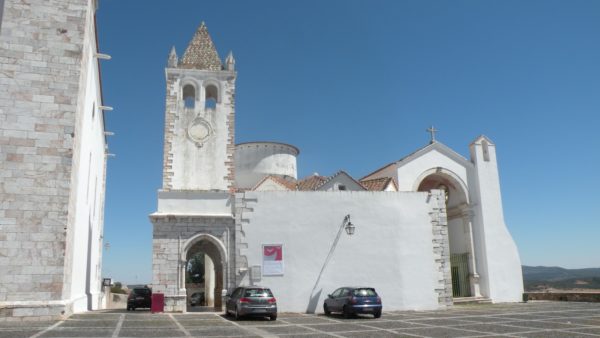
(255, 160)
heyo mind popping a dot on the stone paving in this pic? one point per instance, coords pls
(534, 319)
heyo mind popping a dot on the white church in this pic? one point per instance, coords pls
(426, 231)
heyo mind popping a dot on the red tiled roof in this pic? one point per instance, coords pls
(327, 179)
(288, 184)
(310, 183)
(377, 171)
(378, 184)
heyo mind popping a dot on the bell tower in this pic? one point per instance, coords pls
(194, 219)
(199, 118)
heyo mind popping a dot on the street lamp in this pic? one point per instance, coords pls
(348, 226)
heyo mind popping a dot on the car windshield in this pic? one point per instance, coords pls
(258, 293)
(364, 293)
(141, 291)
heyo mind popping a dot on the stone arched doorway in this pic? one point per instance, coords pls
(463, 265)
(205, 259)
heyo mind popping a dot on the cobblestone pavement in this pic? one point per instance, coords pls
(534, 319)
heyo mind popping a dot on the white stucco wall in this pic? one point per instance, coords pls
(500, 261)
(185, 202)
(497, 259)
(390, 251)
(194, 166)
(458, 236)
(85, 274)
(408, 173)
(255, 160)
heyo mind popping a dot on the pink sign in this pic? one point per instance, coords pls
(272, 260)
(272, 253)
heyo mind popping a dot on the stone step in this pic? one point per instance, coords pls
(471, 300)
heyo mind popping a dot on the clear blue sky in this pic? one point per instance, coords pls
(354, 85)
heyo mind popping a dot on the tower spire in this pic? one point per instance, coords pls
(230, 62)
(172, 63)
(201, 52)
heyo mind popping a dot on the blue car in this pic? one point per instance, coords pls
(352, 300)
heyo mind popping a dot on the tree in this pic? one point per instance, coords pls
(117, 288)
(195, 269)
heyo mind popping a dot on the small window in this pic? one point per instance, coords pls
(211, 97)
(236, 293)
(258, 293)
(486, 150)
(189, 96)
(365, 293)
(141, 291)
(341, 187)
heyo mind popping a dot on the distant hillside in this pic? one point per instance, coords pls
(538, 278)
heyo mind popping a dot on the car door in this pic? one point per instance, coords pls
(335, 305)
(329, 301)
(342, 299)
(232, 299)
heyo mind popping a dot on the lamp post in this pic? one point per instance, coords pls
(348, 226)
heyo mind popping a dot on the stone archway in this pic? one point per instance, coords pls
(463, 265)
(213, 257)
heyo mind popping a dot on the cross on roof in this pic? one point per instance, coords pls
(432, 131)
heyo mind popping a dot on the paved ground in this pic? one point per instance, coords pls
(534, 319)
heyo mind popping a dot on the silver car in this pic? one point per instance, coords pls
(251, 301)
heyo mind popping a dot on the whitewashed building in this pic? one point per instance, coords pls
(426, 231)
(52, 159)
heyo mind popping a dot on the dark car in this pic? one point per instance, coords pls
(251, 301)
(197, 298)
(139, 297)
(353, 300)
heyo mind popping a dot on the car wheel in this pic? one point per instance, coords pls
(326, 309)
(236, 314)
(377, 314)
(273, 317)
(346, 312)
(133, 308)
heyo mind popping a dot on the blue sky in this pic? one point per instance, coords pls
(354, 85)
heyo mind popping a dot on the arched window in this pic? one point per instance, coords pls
(486, 151)
(189, 96)
(211, 96)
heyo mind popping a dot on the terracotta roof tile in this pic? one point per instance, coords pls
(377, 171)
(289, 184)
(376, 184)
(327, 179)
(310, 183)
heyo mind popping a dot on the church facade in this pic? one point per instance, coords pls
(52, 160)
(426, 231)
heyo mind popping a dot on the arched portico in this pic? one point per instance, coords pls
(212, 254)
(463, 263)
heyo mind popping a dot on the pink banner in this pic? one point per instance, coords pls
(272, 260)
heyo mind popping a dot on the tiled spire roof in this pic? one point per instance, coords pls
(201, 52)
